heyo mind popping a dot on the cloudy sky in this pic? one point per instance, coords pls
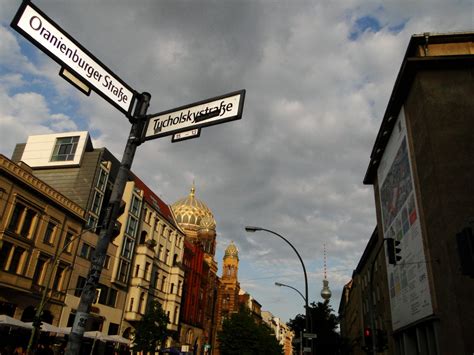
(318, 76)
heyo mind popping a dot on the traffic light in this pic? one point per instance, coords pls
(393, 252)
(37, 323)
(368, 338)
(382, 341)
(465, 242)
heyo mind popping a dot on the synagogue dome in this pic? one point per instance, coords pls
(192, 213)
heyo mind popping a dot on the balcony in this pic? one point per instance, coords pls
(133, 316)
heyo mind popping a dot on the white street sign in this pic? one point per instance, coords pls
(32, 23)
(181, 136)
(193, 116)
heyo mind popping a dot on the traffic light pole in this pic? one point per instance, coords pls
(88, 293)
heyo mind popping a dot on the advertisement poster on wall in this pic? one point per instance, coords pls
(410, 297)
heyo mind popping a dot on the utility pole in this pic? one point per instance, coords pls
(87, 297)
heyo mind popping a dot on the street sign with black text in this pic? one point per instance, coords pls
(196, 115)
(44, 33)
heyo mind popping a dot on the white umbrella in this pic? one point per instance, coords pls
(13, 322)
(116, 339)
(94, 334)
(46, 327)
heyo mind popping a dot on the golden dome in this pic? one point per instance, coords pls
(231, 251)
(193, 213)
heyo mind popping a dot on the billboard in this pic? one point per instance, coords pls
(409, 291)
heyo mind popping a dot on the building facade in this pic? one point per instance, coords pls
(365, 300)
(40, 232)
(421, 169)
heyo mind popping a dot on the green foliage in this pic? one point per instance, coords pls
(241, 335)
(151, 329)
(324, 323)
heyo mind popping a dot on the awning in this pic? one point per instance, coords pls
(13, 322)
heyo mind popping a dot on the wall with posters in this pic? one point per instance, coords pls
(410, 297)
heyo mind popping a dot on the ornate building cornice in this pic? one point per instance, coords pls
(39, 186)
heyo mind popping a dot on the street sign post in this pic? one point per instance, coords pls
(44, 33)
(204, 113)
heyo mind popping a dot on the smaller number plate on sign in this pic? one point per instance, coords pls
(178, 137)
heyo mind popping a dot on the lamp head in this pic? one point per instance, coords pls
(278, 284)
(252, 229)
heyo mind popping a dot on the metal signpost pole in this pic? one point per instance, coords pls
(97, 263)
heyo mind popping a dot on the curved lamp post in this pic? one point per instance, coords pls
(255, 229)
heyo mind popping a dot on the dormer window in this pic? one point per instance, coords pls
(65, 148)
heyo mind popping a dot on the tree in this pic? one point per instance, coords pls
(151, 329)
(241, 335)
(324, 323)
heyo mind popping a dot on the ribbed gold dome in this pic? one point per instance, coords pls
(231, 251)
(193, 213)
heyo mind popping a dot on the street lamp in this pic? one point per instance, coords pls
(252, 229)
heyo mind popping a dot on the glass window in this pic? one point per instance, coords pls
(135, 206)
(67, 247)
(81, 281)
(50, 232)
(39, 270)
(5, 251)
(102, 180)
(16, 259)
(127, 248)
(59, 277)
(65, 149)
(15, 219)
(96, 202)
(131, 226)
(107, 262)
(27, 223)
(112, 297)
(123, 270)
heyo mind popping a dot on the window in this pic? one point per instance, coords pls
(38, 276)
(154, 280)
(65, 148)
(132, 224)
(107, 262)
(96, 202)
(102, 179)
(127, 248)
(68, 242)
(86, 251)
(91, 222)
(22, 220)
(135, 206)
(163, 284)
(15, 264)
(123, 270)
(5, 251)
(160, 252)
(130, 308)
(167, 256)
(141, 304)
(59, 278)
(50, 233)
(147, 271)
(172, 288)
(81, 281)
(137, 270)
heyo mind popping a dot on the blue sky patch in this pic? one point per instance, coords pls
(364, 24)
